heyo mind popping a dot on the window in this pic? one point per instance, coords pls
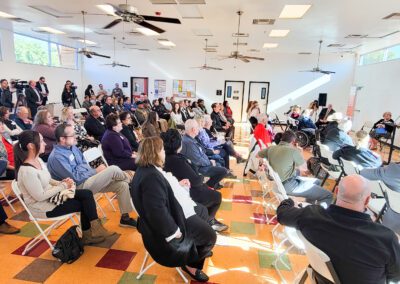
(382, 55)
(36, 51)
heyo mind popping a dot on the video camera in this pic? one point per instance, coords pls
(73, 87)
(18, 85)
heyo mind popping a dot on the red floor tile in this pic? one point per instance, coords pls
(36, 251)
(116, 259)
(242, 199)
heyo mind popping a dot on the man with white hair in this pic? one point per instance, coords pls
(361, 250)
(192, 150)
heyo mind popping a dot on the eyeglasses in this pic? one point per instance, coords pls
(66, 136)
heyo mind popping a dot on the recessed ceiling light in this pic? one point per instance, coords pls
(147, 32)
(50, 30)
(279, 33)
(108, 9)
(166, 42)
(270, 45)
(7, 16)
(294, 11)
(89, 42)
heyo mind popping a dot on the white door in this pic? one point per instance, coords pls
(259, 91)
(234, 95)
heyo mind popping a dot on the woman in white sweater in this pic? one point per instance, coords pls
(37, 188)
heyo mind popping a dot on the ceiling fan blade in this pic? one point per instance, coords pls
(99, 55)
(87, 55)
(109, 64)
(252, 57)
(312, 71)
(161, 19)
(327, 72)
(245, 60)
(123, 65)
(113, 23)
(151, 27)
(214, 68)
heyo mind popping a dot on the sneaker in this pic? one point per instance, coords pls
(128, 223)
(231, 175)
(6, 228)
(218, 186)
(240, 160)
(218, 226)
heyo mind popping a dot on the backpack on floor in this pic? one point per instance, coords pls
(314, 166)
(69, 246)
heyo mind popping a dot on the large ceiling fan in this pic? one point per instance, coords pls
(205, 66)
(317, 69)
(236, 54)
(115, 63)
(85, 51)
(128, 13)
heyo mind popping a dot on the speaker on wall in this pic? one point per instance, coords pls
(322, 99)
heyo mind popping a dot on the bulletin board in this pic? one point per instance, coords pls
(184, 88)
(160, 88)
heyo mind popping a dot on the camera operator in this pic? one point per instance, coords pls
(68, 95)
(42, 87)
(33, 97)
(6, 95)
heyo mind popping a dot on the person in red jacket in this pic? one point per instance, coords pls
(261, 133)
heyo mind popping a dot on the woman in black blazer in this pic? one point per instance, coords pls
(172, 233)
(181, 168)
(127, 131)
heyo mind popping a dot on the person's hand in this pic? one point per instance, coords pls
(213, 163)
(216, 152)
(100, 168)
(134, 155)
(381, 125)
(91, 138)
(185, 183)
(69, 182)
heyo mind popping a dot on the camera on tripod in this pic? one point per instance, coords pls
(73, 87)
(19, 85)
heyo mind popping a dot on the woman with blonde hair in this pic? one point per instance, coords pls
(44, 124)
(174, 229)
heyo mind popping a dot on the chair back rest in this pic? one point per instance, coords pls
(368, 125)
(376, 187)
(393, 198)
(17, 192)
(349, 167)
(319, 261)
(280, 189)
(93, 154)
(326, 153)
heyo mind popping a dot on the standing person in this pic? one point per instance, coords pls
(68, 95)
(44, 91)
(254, 110)
(33, 98)
(37, 188)
(117, 91)
(6, 95)
(89, 91)
(228, 112)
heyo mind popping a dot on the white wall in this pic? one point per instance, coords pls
(55, 77)
(281, 70)
(380, 92)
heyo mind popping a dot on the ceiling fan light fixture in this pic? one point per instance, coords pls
(279, 33)
(147, 32)
(88, 42)
(166, 42)
(108, 9)
(294, 11)
(50, 30)
(6, 15)
(270, 45)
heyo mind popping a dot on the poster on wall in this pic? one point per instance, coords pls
(184, 88)
(160, 88)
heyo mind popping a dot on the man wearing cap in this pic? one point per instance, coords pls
(323, 116)
(140, 112)
(334, 135)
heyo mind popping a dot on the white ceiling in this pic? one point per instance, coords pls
(330, 21)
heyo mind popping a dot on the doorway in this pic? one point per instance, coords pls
(259, 91)
(234, 94)
(139, 86)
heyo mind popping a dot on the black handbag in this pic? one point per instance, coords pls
(69, 246)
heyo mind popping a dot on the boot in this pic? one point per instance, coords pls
(97, 229)
(88, 238)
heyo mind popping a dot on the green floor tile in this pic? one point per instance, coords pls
(243, 228)
(129, 277)
(267, 259)
(226, 206)
(29, 230)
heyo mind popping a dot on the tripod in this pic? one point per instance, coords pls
(75, 97)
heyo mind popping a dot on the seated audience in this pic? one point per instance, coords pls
(10, 127)
(196, 110)
(89, 91)
(176, 116)
(168, 222)
(285, 158)
(359, 154)
(323, 116)
(5, 227)
(67, 161)
(383, 128)
(116, 148)
(253, 110)
(22, 118)
(295, 112)
(6, 154)
(127, 130)
(200, 104)
(140, 113)
(261, 133)
(108, 107)
(86, 102)
(218, 124)
(150, 127)
(182, 169)
(192, 150)
(334, 135)
(228, 112)
(128, 105)
(167, 104)
(185, 111)
(160, 109)
(306, 123)
(95, 124)
(44, 124)
(361, 251)
(83, 140)
(38, 188)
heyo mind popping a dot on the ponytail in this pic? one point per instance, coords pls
(21, 147)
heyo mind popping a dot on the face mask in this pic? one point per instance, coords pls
(93, 101)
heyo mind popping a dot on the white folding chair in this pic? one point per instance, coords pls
(144, 268)
(43, 234)
(393, 198)
(91, 155)
(319, 262)
(368, 125)
(326, 153)
(5, 196)
(349, 167)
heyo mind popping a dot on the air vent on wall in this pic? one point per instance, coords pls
(163, 1)
(304, 53)
(50, 11)
(202, 32)
(393, 16)
(356, 36)
(240, 43)
(335, 45)
(210, 49)
(263, 21)
(240, 35)
(254, 50)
